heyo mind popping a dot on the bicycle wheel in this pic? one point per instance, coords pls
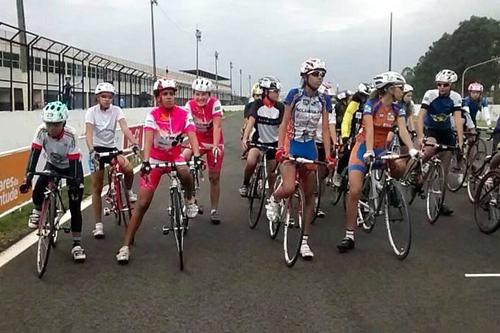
(337, 191)
(457, 173)
(125, 206)
(117, 201)
(397, 219)
(293, 226)
(435, 192)
(177, 225)
(317, 195)
(274, 226)
(478, 154)
(486, 205)
(58, 216)
(473, 184)
(366, 208)
(257, 197)
(45, 234)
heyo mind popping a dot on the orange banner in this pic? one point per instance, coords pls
(12, 172)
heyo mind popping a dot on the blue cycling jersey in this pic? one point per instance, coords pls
(306, 113)
(474, 106)
(440, 108)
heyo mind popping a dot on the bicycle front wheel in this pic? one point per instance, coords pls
(177, 225)
(457, 173)
(45, 234)
(257, 196)
(293, 226)
(317, 197)
(274, 226)
(436, 187)
(397, 220)
(486, 205)
(125, 206)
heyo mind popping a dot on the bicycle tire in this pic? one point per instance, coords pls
(125, 207)
(317, 195)
(365, 206)
(177, 224)
(400, 242)
(293, 221)
(452, 182)
(117, 201)
(476, 160)
(274, 226)
(436, 184)
(59, 208)
(45, 235)
(486, 205)
(257, 197)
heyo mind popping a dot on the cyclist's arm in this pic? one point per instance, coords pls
(287, 116)
(457, 115)
(126, 131)
(326, 134)
(248, 129)
(89, 135)
(420, 123)
(217, 123)
(486, 115)
(368, 127)
(148, 143)
(193, 142)
(347, 120)
(36, 150)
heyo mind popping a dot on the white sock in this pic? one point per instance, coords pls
(349, 234)
(304, 239)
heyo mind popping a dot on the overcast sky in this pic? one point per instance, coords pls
(262, 37)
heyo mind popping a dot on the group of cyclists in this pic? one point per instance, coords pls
(349, 131)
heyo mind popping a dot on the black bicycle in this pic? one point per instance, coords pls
(258, 184)
(48, 224)
(383, 195)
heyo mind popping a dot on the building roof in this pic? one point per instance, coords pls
(205, 74)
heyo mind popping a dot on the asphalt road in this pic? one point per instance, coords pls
(236, 280)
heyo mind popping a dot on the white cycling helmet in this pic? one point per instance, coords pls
(385, 79)
(342, 95)
(202, 84)
(312, 64)
(55, 112)
(270, 83)
(256, 90)
(364, 88)
(162, 84)
(446, 75)
(104, 87)
(476, 86)
(407, 88)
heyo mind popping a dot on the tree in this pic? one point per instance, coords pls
(475, 40)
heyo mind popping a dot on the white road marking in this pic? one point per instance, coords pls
(22, 245)
(468, 275)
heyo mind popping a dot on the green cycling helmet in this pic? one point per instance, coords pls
(55, 112)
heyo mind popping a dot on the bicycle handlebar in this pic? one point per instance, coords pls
(116, 152)
(261, 145)
(305, 160)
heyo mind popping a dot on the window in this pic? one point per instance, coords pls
(69, 69)
(84, 71)
(92, 72)
(60, 67)
(52, 66)
(44, 64)
(15, 60)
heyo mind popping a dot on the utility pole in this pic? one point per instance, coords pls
(153, 2)
(198, 39)
(21, 24)
(216, 75)
(231, 78)
(241, 91)
(390, 44)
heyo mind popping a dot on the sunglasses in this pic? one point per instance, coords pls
(317, 73)
(443, 85)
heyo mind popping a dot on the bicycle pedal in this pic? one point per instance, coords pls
(165, 230)
(106, 211)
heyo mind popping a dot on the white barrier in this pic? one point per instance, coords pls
(17, 128)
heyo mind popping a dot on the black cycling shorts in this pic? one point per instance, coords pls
(442, 136)
(104, 160)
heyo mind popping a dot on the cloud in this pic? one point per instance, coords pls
(261, 37)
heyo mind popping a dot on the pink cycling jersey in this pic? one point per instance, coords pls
(168, 125)
(203, 117)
